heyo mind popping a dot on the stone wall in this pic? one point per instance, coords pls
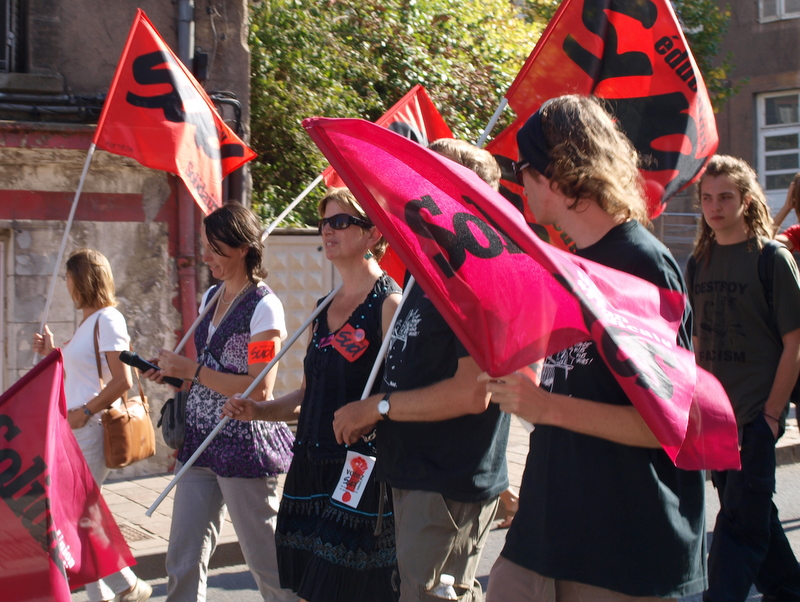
(145, 282)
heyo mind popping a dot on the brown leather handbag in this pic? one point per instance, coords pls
(128, 430)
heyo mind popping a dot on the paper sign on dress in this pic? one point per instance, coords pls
(354, 477)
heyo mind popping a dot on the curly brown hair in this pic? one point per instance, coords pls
(756, 216)
(591, 158)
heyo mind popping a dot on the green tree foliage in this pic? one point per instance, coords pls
(356, 58)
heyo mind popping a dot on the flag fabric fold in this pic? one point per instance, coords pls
(157, 113)
(512, 299)
(634, 55)
(58, 534)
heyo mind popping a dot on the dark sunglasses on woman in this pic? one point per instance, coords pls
(342, 221)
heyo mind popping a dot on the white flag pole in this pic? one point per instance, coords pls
(291, 206)
(253, 385)
(264, 236)
(64, 238)
(200, 316)
(386, 340)
(492, 122)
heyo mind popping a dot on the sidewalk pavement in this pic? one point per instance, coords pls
(147, 537)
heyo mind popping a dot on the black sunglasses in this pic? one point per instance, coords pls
(342, 221)
(519, 167)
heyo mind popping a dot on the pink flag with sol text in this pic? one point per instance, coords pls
(512, 299)
(57, 533)
(157, 113)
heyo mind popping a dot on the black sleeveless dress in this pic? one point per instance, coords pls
(328, 551)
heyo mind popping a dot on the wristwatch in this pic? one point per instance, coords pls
(384, 406)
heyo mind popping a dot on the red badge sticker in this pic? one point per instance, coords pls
(350, 343)
(260, 352)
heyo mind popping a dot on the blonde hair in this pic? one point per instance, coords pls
(477, 159)
(756, 215)
(592, 158)
(93, 282)
(345, 199)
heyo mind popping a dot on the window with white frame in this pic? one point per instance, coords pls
(778, 143)
(775, 10)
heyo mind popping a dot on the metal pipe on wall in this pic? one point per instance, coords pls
(187, 208)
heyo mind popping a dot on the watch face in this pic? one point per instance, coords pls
(383, 407)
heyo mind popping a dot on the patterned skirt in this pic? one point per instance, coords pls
(328, 551)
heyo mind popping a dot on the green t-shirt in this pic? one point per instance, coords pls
(737, 340)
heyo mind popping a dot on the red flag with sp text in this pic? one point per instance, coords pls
(157, 113)
(415, 110)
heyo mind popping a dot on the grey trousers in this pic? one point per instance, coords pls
(199, 507)
(436, 535)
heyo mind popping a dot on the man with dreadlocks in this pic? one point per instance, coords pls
(749, 338)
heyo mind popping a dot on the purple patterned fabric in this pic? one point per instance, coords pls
(241, 449)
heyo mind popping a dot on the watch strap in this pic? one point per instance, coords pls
(385, 398)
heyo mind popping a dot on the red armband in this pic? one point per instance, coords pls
(260, 352)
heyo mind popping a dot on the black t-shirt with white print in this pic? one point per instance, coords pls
(464, 458)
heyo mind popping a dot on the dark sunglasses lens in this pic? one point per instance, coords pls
(340, 221)
(518, 167)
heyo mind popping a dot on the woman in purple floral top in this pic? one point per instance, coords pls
(235, 341)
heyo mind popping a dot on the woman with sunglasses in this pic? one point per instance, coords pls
(330, 550)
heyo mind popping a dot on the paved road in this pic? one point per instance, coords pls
(234, 583)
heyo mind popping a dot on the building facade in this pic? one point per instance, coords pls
(761, 123)
(57, 60)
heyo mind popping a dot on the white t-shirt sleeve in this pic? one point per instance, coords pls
(269, 315)
(113, 332)
(204, 300)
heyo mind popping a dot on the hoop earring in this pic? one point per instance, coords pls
(368, 255)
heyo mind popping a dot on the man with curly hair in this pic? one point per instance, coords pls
(604, 514)
(752, 345)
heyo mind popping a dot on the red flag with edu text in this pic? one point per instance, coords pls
(634, 55)
(157, 113)
(56, 532)
(512, 299)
